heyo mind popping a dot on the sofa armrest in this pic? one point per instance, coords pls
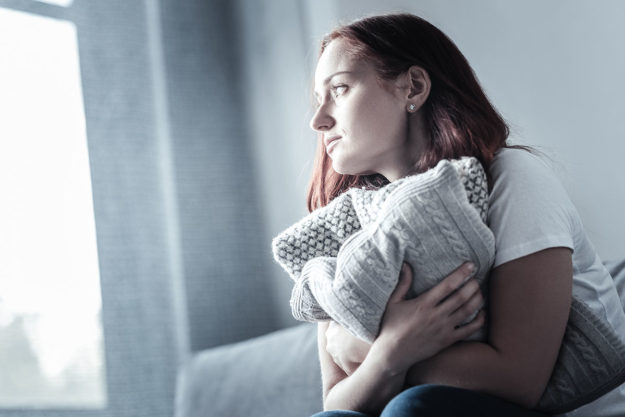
(273, 375)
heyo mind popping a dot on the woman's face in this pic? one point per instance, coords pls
(363, 120)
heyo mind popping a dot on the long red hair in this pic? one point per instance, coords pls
(460, 118)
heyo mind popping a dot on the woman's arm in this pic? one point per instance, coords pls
(530, 299)
(416, 328)
(367, 390)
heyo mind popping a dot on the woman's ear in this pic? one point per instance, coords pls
(419, 85)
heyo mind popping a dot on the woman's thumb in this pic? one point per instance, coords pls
(403, 284)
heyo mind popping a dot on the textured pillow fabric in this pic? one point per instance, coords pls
(591, 362)
(346, 257)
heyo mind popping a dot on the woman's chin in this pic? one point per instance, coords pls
(339, 168)
(342, 170)
(346, 171)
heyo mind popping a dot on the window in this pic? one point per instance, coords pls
(51, 344)
(64, 3)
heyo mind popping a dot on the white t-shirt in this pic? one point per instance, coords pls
(531, 211)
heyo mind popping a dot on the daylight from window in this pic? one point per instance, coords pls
(64, 3)
(51, 344)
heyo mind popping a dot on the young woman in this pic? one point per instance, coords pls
(395, 96)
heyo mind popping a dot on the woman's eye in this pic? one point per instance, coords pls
(338, 90)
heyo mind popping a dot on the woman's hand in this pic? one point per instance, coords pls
(424, 322)
(347, 351)
(416, 329)
(411, 330)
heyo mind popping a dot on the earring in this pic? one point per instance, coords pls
(411, 108)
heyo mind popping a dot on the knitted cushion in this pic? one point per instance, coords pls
(345, 257)
(591, 362)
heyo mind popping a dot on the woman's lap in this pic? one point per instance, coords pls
(443, 401)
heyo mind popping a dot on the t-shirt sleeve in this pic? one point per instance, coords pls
(529, 209)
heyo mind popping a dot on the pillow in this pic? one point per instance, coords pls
(591, 362)
(346, 257)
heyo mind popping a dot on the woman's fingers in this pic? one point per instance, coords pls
(461, 297)
(403, 284)
(416, 329)
(468, 308)
(466, 330)
(446, 287)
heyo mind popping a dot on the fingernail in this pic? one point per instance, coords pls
(470, 267)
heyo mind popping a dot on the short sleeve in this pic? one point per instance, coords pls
(529, 209)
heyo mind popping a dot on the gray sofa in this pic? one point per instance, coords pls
(273, 375)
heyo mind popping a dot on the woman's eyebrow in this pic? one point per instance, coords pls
(327, 80)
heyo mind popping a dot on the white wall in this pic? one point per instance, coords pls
(276, 63)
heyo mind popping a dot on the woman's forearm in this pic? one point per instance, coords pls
(479, 367)
(368, 389)
(530, 302)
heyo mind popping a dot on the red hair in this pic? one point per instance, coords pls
(460, 118)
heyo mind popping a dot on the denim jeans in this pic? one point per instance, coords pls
(443, 401)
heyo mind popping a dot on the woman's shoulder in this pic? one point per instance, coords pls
(529, 208)
(525, 170)
(519, 159)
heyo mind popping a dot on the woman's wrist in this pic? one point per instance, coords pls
(374, 383)
(381, 356)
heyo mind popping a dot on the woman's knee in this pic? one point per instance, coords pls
(441, 400)
(422, 400)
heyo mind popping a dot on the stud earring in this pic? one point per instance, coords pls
(411, 108)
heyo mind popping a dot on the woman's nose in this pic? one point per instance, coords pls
(321, 120)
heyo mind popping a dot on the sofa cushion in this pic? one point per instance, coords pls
(276, 374)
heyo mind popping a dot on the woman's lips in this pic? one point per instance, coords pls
(331, 142)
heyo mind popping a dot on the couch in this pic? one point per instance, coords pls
(274, 375)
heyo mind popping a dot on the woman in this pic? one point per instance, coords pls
(395, 96)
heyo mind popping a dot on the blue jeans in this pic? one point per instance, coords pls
(443, 401)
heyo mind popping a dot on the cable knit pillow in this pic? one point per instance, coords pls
(591, 362)
(345, 257)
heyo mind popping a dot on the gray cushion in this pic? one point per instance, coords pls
(273, 375)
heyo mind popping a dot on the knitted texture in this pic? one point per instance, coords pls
(345, 257)
(591, 362)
